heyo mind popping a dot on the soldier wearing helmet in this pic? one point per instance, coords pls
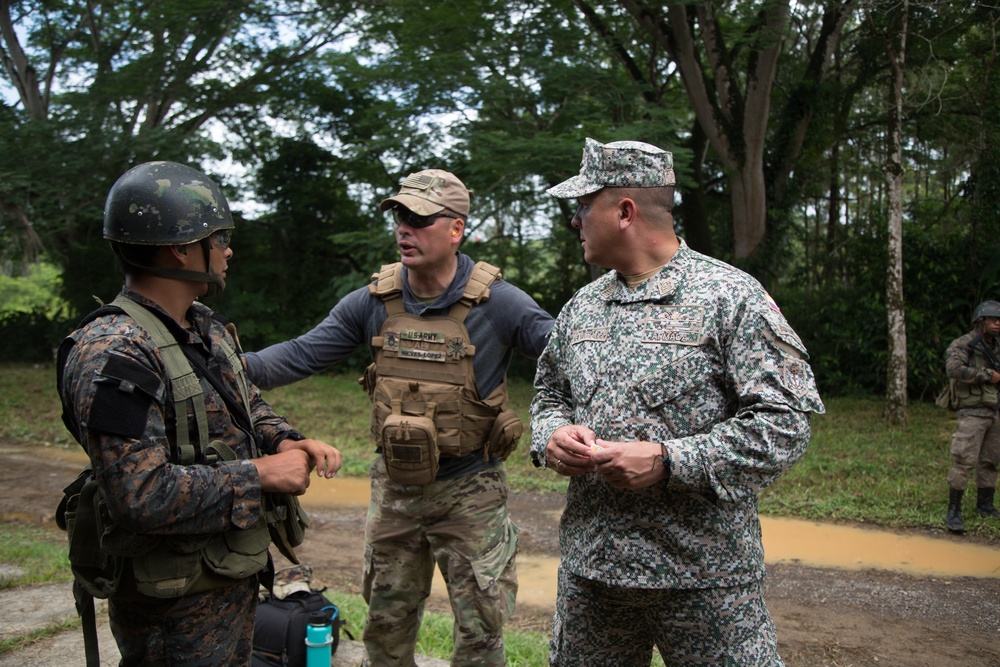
(153, 389)
(973, 367)
(167, 204)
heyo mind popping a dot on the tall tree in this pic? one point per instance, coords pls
(895, 48)
(104, 85)
(728, 55)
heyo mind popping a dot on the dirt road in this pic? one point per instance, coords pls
(824, 618)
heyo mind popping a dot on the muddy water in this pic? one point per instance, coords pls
(785, 541)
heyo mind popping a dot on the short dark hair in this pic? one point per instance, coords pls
(661, 198)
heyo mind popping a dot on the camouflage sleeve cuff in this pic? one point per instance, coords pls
(280, 436)
(246, 493)
(684, 465)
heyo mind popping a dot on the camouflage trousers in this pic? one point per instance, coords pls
(597, 625)
(975, 444)
(462, 526)
(208, 629)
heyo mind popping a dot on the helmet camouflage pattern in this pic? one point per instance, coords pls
(164, 203)
(986, 309)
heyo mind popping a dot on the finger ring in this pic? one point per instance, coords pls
(558, 463)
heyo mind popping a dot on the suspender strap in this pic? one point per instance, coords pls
(185, 384)
(476, 289)
(389, 288)
(88, 619)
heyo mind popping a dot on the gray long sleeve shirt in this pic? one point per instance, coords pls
(509, 319)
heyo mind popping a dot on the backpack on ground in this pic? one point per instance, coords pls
(279, 633)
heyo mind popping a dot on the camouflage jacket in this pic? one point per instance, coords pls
(699, 358)
(114, 386)
(971, 371)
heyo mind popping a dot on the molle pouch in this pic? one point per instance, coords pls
(367, 381)
(409, 446)
(79, 514)
(286, 523)
(238, 554)
(172, 571)
(507, 430)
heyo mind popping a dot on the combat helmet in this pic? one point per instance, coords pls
(165, 204)
(986, 309)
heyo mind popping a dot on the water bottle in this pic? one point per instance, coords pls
(319, 640)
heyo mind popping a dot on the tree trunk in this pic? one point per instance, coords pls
(895, 396)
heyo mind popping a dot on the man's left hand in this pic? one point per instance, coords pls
(324, 458)
(629, 465)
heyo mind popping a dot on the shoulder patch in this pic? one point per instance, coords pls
(125, 389)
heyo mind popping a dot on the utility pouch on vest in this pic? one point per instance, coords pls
(171, 572)
(948, 398)
(286, 522)
(507, 430)
(80, 515)
(409, 445)
(237, 553)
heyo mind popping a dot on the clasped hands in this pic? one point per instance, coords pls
(575, 450)
(288, 470)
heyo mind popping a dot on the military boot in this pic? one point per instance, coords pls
(984, 503)
(954, 519)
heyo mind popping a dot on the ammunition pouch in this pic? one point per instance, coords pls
(109, 561)
(286, 522)
(961, 395)
(82, 513)
(410, 445)
(507, 430)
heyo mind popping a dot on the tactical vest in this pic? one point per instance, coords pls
(109, 561)
(981, 395)
(423, 386)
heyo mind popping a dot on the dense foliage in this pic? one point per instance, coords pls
(310, 111)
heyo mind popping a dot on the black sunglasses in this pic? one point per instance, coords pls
(401, 215)
(222, 238)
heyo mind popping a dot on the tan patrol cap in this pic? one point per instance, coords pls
(430, 191)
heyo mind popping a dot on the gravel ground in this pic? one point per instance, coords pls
(824, 617)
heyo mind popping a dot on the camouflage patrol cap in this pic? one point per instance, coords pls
(986, 309)
(164, 203)
(620, 164)
(430, 191)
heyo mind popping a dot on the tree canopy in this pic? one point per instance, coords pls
(309, 112)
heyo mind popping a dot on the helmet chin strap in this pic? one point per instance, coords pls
(216, 283)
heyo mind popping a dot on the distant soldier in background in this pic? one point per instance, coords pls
(973, 364)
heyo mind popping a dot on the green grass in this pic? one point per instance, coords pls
(435, 637)
(40, 554)
(859, 469)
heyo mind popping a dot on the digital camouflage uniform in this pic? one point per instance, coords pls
(114, 386)
(699, 358)
(975, 443)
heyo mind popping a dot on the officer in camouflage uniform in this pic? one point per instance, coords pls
(972, 362)
(170, 227)
(456, 517)
(672, 391)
